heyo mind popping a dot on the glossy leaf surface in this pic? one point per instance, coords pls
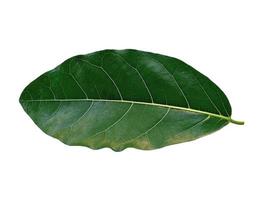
(125, 98)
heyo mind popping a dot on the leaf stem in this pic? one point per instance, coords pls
(236, 122)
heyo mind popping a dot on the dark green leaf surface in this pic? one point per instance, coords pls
(125, 98)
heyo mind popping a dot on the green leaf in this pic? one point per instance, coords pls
(125, 98)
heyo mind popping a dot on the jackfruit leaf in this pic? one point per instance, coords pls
(125, 98)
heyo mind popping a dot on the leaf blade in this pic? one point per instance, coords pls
(107, 87)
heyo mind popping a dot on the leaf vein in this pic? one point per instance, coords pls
(80, 118)
(176, 83)
(147, 132)
(145, 84)
(113, 124)
(204, 90)
(106, 74)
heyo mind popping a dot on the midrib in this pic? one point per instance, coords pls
(141, 103)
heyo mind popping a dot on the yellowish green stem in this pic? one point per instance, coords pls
(237, 122)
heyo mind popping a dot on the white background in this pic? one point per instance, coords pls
(225, 40)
